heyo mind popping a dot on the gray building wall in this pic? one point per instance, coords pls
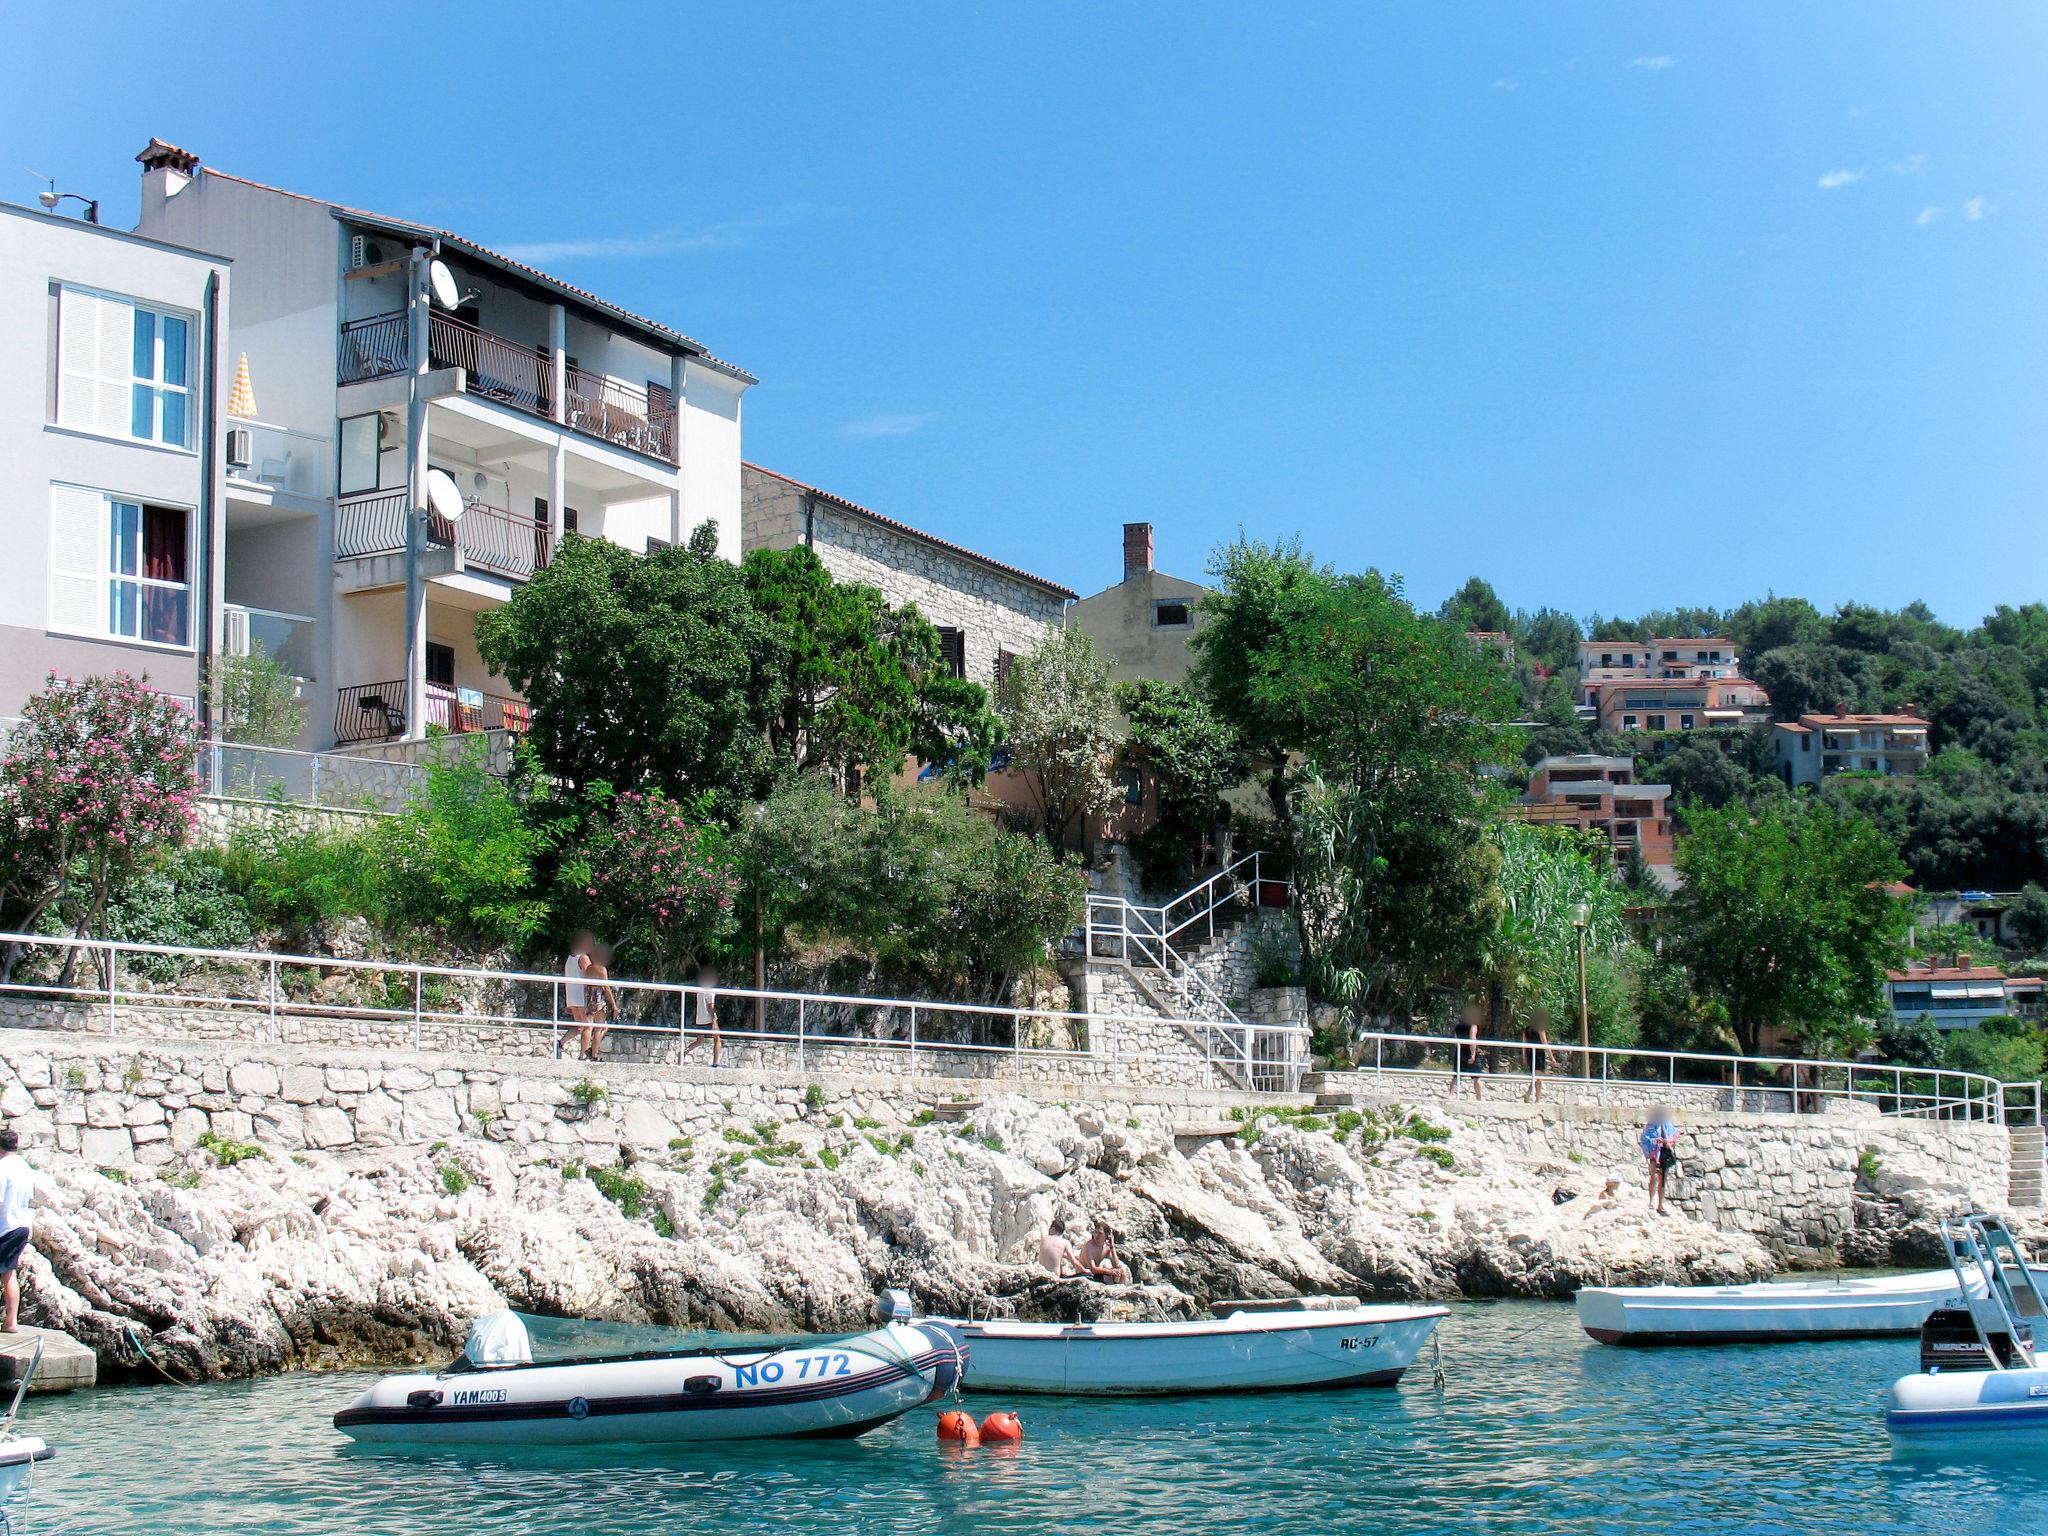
(1122, 620)
(994, 610)
(38, 249)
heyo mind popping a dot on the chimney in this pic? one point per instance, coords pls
(1137, 548)
(166, 170)
(1962, 959)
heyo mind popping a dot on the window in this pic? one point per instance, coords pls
(362, 449)
(440, 665)
(1004, 661)
(1169, 614)
(123, 370)
(1657, 722)
(953, 650)
(1134, 787)
(1628, 722)
(1607, 658)
(118, 568)
(1685, 722)
(1806, 743)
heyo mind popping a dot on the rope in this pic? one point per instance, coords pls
(143, 1350)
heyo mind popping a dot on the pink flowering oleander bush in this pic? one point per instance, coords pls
(653, 880)
(96, 783)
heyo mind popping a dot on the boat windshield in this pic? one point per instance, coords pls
(527, 1338)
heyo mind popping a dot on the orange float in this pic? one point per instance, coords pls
(1003, 1428)
(955, 1426)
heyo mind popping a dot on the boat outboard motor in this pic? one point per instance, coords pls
(893, 1306)
(1949, 1342)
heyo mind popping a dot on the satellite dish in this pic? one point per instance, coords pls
(447, 292)
(444, 496)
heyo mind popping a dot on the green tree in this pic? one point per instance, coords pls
(1397, 716)
(1551, 636)
(255, 701)
(1700, 774)
(1530, 957)
(463, 856)
(650, 671)
(1476, 605)
(2029, 918)
(863, 686)
(1817, 678)
(1774, 622)
(1194, 758)
(1783, 917)
(2007, 1049)
(1059, 711)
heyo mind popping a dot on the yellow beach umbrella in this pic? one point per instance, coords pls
(242, 398)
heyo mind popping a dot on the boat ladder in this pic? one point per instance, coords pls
(28, 1375)
(1982, 1249)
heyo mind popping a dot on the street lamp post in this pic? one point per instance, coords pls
(1582, 917)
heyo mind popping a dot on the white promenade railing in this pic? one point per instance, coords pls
(1928, 1092)
(270, 988)
(336, 781)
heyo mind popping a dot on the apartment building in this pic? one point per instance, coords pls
(1142, 625)
(1816, 746)
(1667, 660)
(986, 612)
(413, 400)
(109, 456)
(1959, 995)
(1621, 704)
(1600, 794)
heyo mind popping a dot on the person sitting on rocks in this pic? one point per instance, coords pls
(1056, 1255)
(1099, 1257)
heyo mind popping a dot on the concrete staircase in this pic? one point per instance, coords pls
(2029, 1177)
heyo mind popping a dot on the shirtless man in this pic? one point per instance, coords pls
(589, 1005)
(1056, 1254)
(1099, 1259)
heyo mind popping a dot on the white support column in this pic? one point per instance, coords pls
(558, 359)
(678, 379)
(418, 317)
(558, 493)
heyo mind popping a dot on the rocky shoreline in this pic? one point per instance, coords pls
(384, 1255)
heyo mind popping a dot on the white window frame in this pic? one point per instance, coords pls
(86, 369)
(104, 575)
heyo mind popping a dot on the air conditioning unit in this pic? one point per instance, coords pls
(364, 252)
(241, 447)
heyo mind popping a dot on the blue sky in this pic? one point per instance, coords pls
(1620, 305)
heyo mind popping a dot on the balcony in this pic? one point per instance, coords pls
(376, 712)
(517, 375)
(286, 638)
(489, 538)
(281, 460)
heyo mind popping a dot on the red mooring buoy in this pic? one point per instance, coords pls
(1003, 1428)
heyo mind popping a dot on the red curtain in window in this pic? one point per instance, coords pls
(163, 559)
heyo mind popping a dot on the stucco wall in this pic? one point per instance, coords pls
(1119, 621)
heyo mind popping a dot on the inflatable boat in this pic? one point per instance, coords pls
(497, 1392)
(1248, 1347)
(1978, 1369)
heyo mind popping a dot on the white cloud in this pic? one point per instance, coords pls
(1912, 165)
(1974, 208)
(1503, 85)
(1652, 61)
(1835, 179)
(1926, 216)
(890, 424)
(633, 247)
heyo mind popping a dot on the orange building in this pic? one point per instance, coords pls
(1600, 794)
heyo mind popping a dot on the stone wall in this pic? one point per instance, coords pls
(122, 1102)
(1139, 1051)
(994, 610)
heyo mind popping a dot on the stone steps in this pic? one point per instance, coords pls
(2027, 1182)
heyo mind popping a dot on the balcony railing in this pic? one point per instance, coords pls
(374, 348)
(286, 638)
(494, 539)
(516, 374)
(376, 711)
(298, 463)
(370, 525)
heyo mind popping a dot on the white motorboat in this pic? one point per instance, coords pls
(1978, 1366)
(19, 1453)
(1247, 1347)
(498, 1393)
(1849, 1307)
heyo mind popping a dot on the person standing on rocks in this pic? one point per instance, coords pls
(1659, 1143)
(17, 1195)
(1468, 1057)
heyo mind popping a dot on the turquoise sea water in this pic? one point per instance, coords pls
(1538, 1430)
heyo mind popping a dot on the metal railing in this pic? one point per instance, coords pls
(620, 413)
(493, 366)
(284, 459)
(273, 988)
(370, 525)
(1937, 1093)
(376, 711)
(494, 539)
(233, 770)
(373, 348)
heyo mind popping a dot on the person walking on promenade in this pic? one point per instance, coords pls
(1659, 1143)
(1536, 1035)
(1468, 1057)
(586, 994)
(17, 1195)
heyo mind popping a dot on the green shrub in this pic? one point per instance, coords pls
(1869, 1164)
(454, 1178)
(586, 1092)
(663, 1227)
(993, 1142)
(829, 1158)
(713, 1190)
(187, 900)
(461, 857)
(1441, 1156)
(227, 1151)
(814, 1096)
(184, 1178)
(1419, 1129)
(1273, 962)
(293, 877)
(622, 1189)
(117, 1175)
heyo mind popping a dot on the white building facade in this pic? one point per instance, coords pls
(110, 472)
(383, 354)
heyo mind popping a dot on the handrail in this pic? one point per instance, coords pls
(267, 996)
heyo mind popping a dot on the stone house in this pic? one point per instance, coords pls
(986, 611)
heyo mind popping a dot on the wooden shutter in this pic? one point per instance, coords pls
(1004, 661)
(95, 362)
(78, 560)
(953, 650)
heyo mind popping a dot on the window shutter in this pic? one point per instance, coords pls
(953, 650)
(78, 560)
(96, 350)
